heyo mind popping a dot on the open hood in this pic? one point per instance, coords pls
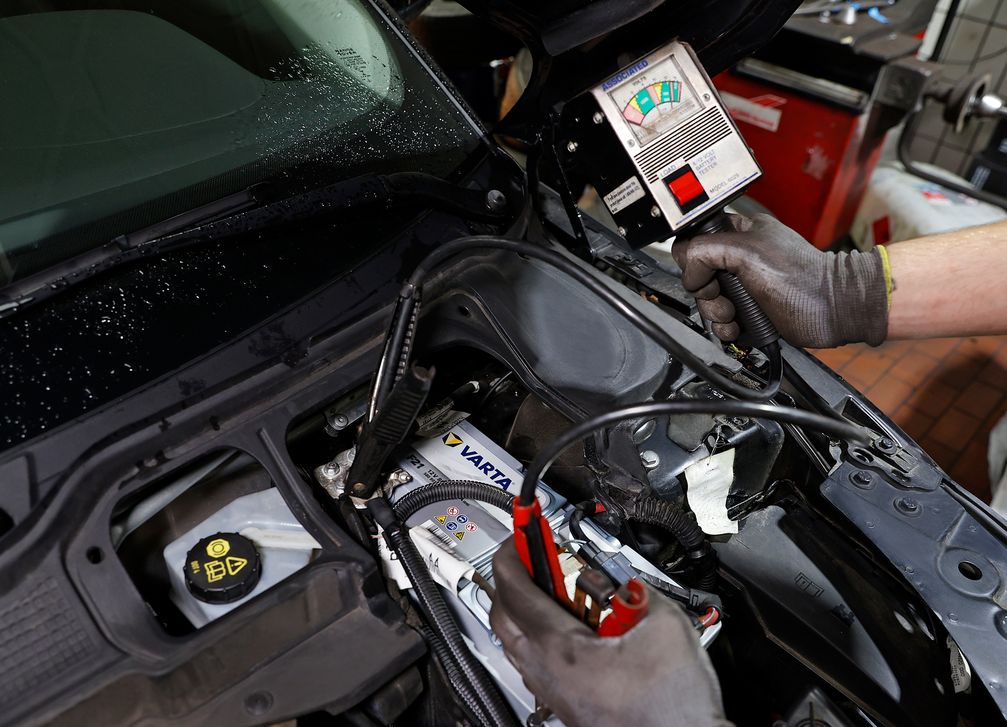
(576, 44)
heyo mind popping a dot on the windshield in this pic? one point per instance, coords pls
(122, 113)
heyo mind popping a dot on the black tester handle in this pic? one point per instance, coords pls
(756, 328)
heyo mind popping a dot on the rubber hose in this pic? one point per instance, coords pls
(452, 490)
(476, 686)
(652, 511)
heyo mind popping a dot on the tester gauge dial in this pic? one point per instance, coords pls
(658, 145)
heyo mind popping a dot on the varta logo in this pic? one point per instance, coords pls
(481, 463)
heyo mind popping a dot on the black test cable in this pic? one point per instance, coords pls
(398, 344)
(799, 417)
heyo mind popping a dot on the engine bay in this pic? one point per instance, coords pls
(721, 514)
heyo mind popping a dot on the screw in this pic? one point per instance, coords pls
(496, 200)
(571, 146)
(330, 470)
(340, 421)
(862, 479)
(598, 117)
(886, 445)
(907, 506)
(650, 459)
(622, 231)
(655, 211)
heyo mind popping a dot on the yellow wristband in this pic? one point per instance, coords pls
(886, 266)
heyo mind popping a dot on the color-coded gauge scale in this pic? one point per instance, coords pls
(647, 99)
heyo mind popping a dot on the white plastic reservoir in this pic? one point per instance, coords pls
(284, 547)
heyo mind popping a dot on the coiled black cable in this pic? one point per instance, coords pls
(402, 329)
(653, 511)
(474, 684)
(452, 490)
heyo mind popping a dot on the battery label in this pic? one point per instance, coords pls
(464, 454)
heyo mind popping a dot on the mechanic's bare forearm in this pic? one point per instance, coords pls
(950, 284)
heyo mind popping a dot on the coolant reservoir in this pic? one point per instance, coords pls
(241, 550)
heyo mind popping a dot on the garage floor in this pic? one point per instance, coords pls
(945, 393)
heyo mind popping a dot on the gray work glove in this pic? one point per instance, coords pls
(655, 675)
(815, 299)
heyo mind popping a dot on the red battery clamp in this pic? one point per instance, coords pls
(536, 547)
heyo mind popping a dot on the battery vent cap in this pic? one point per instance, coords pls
(222, 568)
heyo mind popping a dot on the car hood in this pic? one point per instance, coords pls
(576, 44)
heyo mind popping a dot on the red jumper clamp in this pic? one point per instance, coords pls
(537, 549)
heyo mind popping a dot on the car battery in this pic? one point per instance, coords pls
(471, 532)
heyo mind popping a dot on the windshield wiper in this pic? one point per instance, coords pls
(253, 209)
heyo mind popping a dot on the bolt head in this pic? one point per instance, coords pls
(650, 459)
(495, 200)
(330, 470)
(862, 478)
(571, 146)
(907, 505)
(598, 117)
(886, 445)
(655, 211)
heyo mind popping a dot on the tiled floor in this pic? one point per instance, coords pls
(946, 393)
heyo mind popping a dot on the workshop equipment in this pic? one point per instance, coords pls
(817, 102)
(804, 103)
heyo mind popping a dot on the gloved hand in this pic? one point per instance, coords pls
(656, 674)
(815, 299)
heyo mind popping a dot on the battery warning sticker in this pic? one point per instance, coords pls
(624, 195)
(655, 99)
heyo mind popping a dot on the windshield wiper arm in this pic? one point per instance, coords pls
(249, 210)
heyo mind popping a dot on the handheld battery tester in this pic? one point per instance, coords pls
(658, 145)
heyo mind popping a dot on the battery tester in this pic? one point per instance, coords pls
(658, 145)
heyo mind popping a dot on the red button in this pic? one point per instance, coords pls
(685, 188)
